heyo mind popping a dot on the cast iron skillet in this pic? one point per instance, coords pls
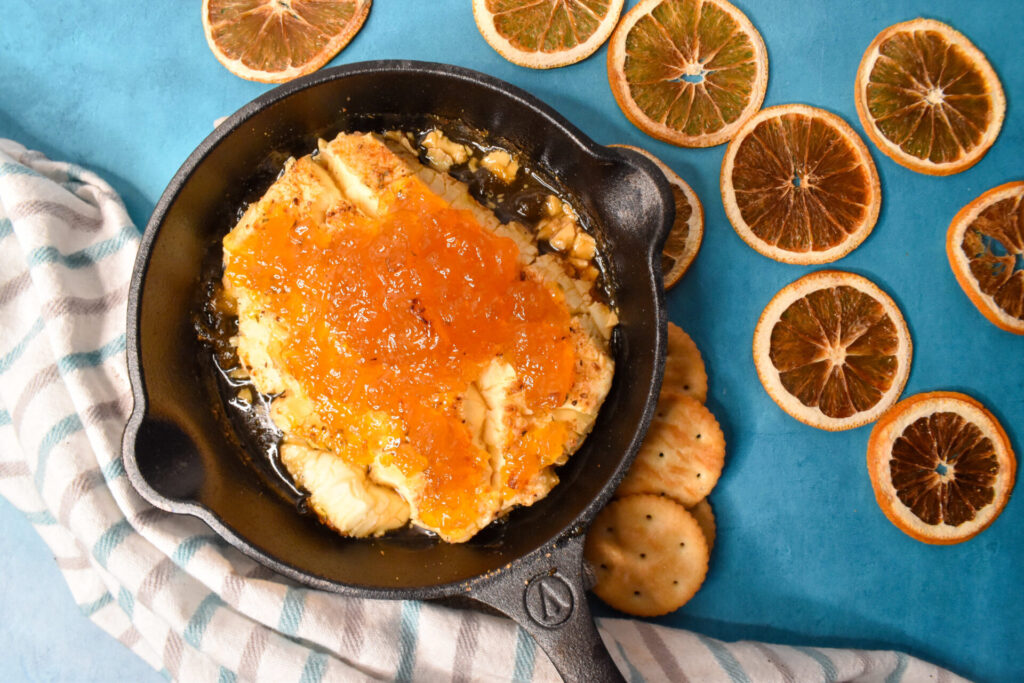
(182, 457)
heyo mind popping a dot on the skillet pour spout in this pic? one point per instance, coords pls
(184, 456)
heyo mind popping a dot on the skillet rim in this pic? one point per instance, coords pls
(140, 408)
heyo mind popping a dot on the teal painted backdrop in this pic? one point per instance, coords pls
(804, 555)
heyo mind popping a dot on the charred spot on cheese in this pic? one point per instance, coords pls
(426, 361)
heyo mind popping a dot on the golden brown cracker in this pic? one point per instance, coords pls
(705, 517)
(685, 372)
(681, 456)
(648, 553)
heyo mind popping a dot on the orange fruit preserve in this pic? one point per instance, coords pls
(397, 314)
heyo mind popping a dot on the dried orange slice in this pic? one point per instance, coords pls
(688, 72)
(274, 41)
(928, 97)
(941, 466)
(543, 34)
(683, 241)
(832, 350)
(799, 185)
(985, 245)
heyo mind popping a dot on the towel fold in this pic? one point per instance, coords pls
(165, 585)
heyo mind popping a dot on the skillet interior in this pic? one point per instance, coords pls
(178, 451)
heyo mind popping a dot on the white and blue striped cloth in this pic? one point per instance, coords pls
(165, 585)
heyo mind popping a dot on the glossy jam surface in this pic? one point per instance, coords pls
(390, 319)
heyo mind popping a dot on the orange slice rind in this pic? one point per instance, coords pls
(274, 41)
(928, 98)
(544, 34)
(832, 350)
(688, 72)
(941, 466)
(985, 246)
(799, 185)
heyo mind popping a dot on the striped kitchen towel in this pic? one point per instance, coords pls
(165, 585)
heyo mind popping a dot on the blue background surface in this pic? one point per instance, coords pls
(804, 555)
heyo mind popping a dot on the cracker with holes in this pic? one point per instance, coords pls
(648, 553)
(705, 517)
(684, 368)
(682, 455)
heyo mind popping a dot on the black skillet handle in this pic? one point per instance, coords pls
(547, 598)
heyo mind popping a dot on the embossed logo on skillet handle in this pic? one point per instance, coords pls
(547, 597)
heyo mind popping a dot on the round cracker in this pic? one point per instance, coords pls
(705, 517)
(685, 372)
(648, 553)
(681, 456)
